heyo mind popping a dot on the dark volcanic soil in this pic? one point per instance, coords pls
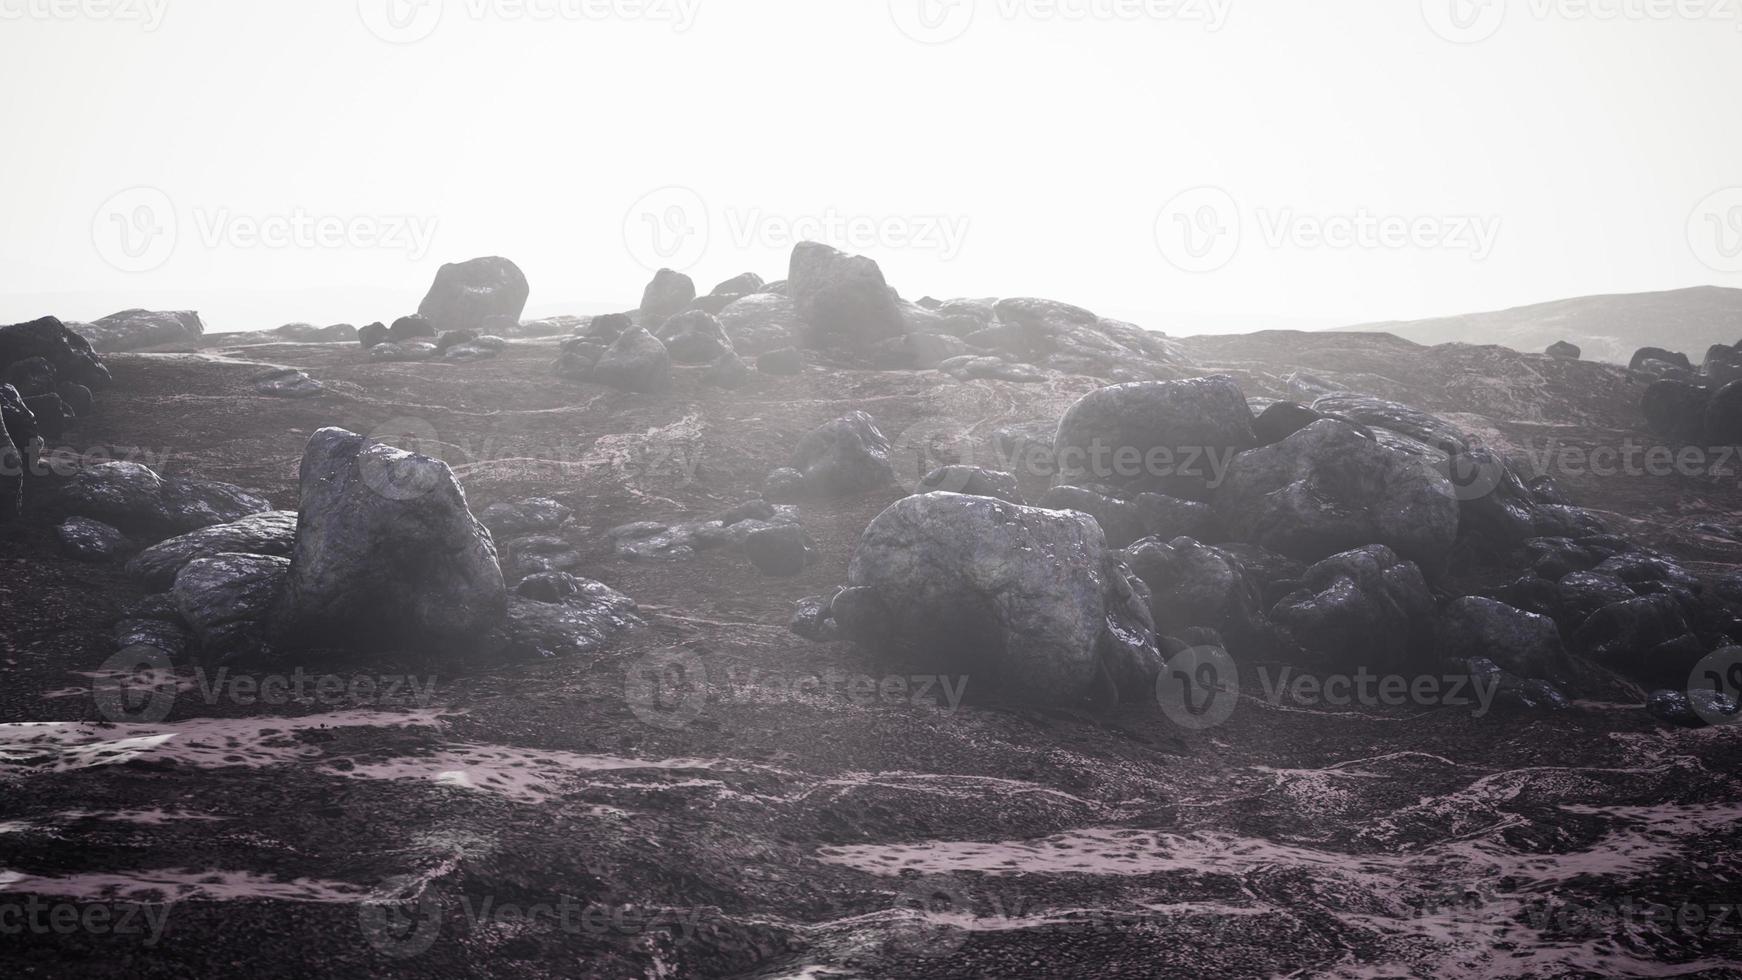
(548, 819)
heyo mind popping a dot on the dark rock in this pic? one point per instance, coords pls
(136, 329)
(975, 481)
(1564, 350)
(1378, 413)
(1581, 594)
(762, 322)
(272, 533)
(842, 299)
(52, 415)
(225, 599)
(1017, 599)
(1169, 437)
(1328, 488)
(465, 294)
(506, 520)
(668, 294)
(581, 622)
(636, 361)
(1555, 557)
(846, 456)
(1637, 569)
(1723, 365)
(86, 540)
(1626, 635)
(781, 551)
(134, 498)
(1522, 643)
(1695, 708)
(454, 338)
(1722, 425)
(812, 619)
(1195, 585)
(408, 328)
(1676, 410)
(740, 285)
(1276, 576)
(694, 337)
(70, 355)
(549, 587)
(168, 635)
(1644, 354)
(373, 334)
(476, 349)
(729, 372)
(386, 550)
(31, 377)
(1126, 521)
(18, 435)
(785, 361)
(1363, 608)
(405, 350)
(308, 333)
(1281, 420)
(76, 396)
(783, 486)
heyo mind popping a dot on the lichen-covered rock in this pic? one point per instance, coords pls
(1363, 608)
(1328, 488)
(272, 533)
(849, 455)
(386, 551)
(226, 599)
(1168, 437)
(842, 299)
(1018, 599)
(465, 294)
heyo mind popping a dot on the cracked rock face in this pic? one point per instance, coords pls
(1016, 598)
(386, 550)
(1328, 488)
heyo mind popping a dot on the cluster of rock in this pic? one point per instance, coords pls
(1692, 406)
(470, 309)
(47, 375)
(1322, 535)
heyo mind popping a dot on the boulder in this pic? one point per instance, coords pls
(740, 285)
(137, 329)
(287, 383)
(52, 415)
(225, 600)
(465, 294)
(1521, 643)
(308, 333)
(694, 337)
(386, 551)
(1696, 708)
(68, 353)
(1026, 601)
(272, 533)
(1639, 637)
(1378, 413)
(1195, 585)
(1125, 521)
(31, 377)
(410, 328)
(1168, 437)
(1676, 410)
(847, 456)
(1580, 594)
(1644, 354)
(76, 396)
(916, 351)
(83, 539)
(762, 322)
(668, 294)
(636, 361)
(1281, 420)
(974, 481)
(372, 335)
(1565, 351)
(583, 617)
(1328, 488)
(505, 520)
(783, 486)
(1363, 608)
(842, 299)
(132, 497)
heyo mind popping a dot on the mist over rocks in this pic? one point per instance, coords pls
(465, 295)
(842, 299)
(130, 330)
(1163, 437)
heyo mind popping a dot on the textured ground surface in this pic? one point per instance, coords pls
(547, 820)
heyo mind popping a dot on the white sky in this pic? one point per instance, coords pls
(1048, 144)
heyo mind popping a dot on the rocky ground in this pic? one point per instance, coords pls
(712, 795)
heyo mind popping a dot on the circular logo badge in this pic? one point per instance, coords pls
(1473, 475)
(135, 231)
(401, 21)
(400, 459)
(923, 448)
(932, 21)
(667, 228)
(667, 688)
(1715, 230)
(401, 919)
(136, 686)
(1718, 676)
(937, 910)
(1199, 230)
(1198, 688)
(1464, 21)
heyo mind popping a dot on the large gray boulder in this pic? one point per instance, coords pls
(1381, 414)
(1521, 643)
(134, 498)
(694, 337)
(136, 329)
(849, 455)
(1030, 602)
(225, 600)
(1365, 608)
(466, 294)
(1329, 488)
(762, 322)
(272, 533)
(69, 353)
(386, 552)
(1167, 437)
(636, 361)
(1193, 584)
(668, 294)
(842, 299)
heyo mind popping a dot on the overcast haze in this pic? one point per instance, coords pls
(1093, 159)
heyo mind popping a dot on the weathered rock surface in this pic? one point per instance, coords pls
(842, 299)
(225, 599)
(136, 329)
(849, 455)
(1169, 437)
(86, 540)
(466, 294)
(668, 294)
(272, 533)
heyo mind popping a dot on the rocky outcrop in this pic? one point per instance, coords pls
(1168, 437)
(386, 552)
(467, 294)
(68, 353)
(131, 330)
(1521, 643)
(847, 456)
(842, 299)
(1195, 585)
(1328, 488)
(1026, 601)
(132, 497)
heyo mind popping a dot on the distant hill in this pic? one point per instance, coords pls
(1608, 328)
